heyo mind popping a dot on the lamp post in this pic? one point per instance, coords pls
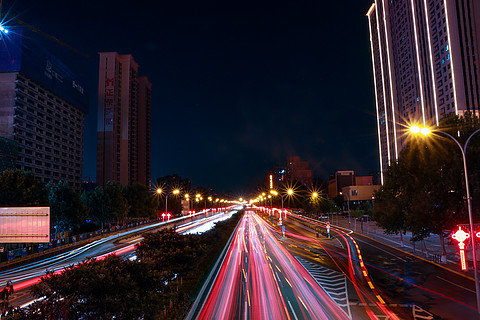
(314, 196)
(425, 131)
(187, 197)
(175, 192)
(275, 193)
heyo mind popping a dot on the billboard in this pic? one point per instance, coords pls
(24, 225)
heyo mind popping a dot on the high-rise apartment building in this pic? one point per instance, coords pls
(123, 132)
(424, 56)
(42, 109)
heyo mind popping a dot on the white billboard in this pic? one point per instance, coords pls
(24, 224)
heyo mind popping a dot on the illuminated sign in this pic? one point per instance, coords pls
(109, 100)
(461, 236)
(25, 225)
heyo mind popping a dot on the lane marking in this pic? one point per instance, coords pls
(455, 284)
(293, 311)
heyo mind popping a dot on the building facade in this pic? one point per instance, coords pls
(42, 109)
(297, 170)
(424, 65)
(338, 180)
(123, 130)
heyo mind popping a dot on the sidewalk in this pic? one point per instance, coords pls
(428, 250)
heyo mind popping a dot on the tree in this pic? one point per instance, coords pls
(21, 189)
(97, 203)
(390, 201)
(141, 202)
(117, 204)
(106, 289)
(66, 208)
(424, 191)
(172, 252)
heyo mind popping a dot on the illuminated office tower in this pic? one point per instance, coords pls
(424, 65)
(123, 132)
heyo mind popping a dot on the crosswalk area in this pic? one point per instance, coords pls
(334, 283)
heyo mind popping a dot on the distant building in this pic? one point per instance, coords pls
(338, 180)
(364, 181)
(425, 65)
(42, 109)
(341, 179)
(359, 194)
(124, 120)
(297, 170)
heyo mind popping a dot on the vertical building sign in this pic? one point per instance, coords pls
(109, 101)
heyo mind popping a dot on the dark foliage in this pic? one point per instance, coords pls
(161, 283)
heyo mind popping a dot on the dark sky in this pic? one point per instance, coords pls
(237, 86)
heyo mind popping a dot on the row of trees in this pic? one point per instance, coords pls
(69, 210)
(424, 192)
(160, 284)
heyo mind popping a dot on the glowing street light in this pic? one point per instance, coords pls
(425, 131)
(3, 30)
(175, 192)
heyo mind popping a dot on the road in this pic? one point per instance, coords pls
(120, 244)
(411, 288)
(260, 279)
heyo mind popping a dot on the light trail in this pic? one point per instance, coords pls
(336, 255)
(254, 286)
(23, 280)
(355, 266)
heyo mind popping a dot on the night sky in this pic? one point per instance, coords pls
(237, 86)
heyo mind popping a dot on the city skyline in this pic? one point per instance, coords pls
(236, 90)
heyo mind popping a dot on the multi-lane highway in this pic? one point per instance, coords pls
(308, 276)
(410, 287)
(264, 275)
(260, 279)
(122, 243)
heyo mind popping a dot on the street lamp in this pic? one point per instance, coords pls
(3, 30)
(425, 131)
(275, 193)
(187, 197)
(175, 192)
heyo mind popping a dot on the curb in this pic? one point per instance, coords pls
(418, 257)
(400, 250)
